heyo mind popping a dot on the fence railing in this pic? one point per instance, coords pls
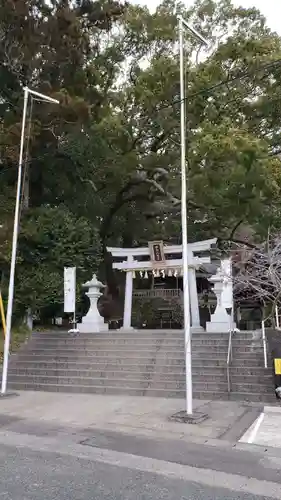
(229, 359)
(165, 293)
(170, 293)
(264, 342)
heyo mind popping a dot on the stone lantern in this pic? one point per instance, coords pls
(220, 320)
(93, 322)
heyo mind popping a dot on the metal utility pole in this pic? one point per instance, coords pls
(43, 98)
(183, 25)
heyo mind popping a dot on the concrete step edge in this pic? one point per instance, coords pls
(76, 357)
(155, 369)
(222, 395)
(113, 388)
(105, 382)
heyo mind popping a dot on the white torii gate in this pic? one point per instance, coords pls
(131, 264)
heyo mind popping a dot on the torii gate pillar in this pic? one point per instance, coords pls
(127, 318)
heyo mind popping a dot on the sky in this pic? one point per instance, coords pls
(271, 9)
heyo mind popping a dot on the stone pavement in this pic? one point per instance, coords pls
(132, 415)
(266, 429)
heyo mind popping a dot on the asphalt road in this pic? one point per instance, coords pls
(28, 474)
(223, 456)
(39, 462)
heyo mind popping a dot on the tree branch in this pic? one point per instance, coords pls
(235, 228)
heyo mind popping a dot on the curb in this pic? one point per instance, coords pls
(272, 409)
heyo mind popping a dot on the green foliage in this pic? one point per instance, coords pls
(143, 312)
(51, 239)
(146, 311)
(107, 160)
(19, 335)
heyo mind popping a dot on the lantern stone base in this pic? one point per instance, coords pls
(92, 326)
(212, 327)
(220, 321)
(197, 329)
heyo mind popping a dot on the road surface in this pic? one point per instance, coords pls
(62, 467)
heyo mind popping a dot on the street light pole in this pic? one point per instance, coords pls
(186, 299)
(45, 98)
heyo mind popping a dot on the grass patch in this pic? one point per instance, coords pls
(18, 336)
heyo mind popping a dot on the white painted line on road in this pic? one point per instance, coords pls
(254, 432)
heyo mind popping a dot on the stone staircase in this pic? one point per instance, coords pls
(250, 381)
(149, 363)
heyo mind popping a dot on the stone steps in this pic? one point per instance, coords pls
(162, 359)
(151, 336)
(105, 339)
(164, 385)
(137, 391)
(254, 388)
(210, 354)
(238, 382)
(251, 397)
(111, 345)
(135, 334)
(247, 362)
(141, 363)
(197, 369)
(247, 397)
(129, 382)
(132, 347)
(247, 368)
(94, 374)
(109, 368)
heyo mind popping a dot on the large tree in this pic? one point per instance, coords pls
(56, 48)
(110, 153)
(233, 127)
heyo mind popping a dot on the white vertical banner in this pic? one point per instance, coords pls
(69, 289)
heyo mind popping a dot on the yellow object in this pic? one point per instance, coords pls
(2, 312)
(277, 366)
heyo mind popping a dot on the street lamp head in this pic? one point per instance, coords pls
(50, 99)
(43, 97)
(192, 30)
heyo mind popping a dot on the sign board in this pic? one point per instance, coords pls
(277, 366)
(69, 289)
(157, 255)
